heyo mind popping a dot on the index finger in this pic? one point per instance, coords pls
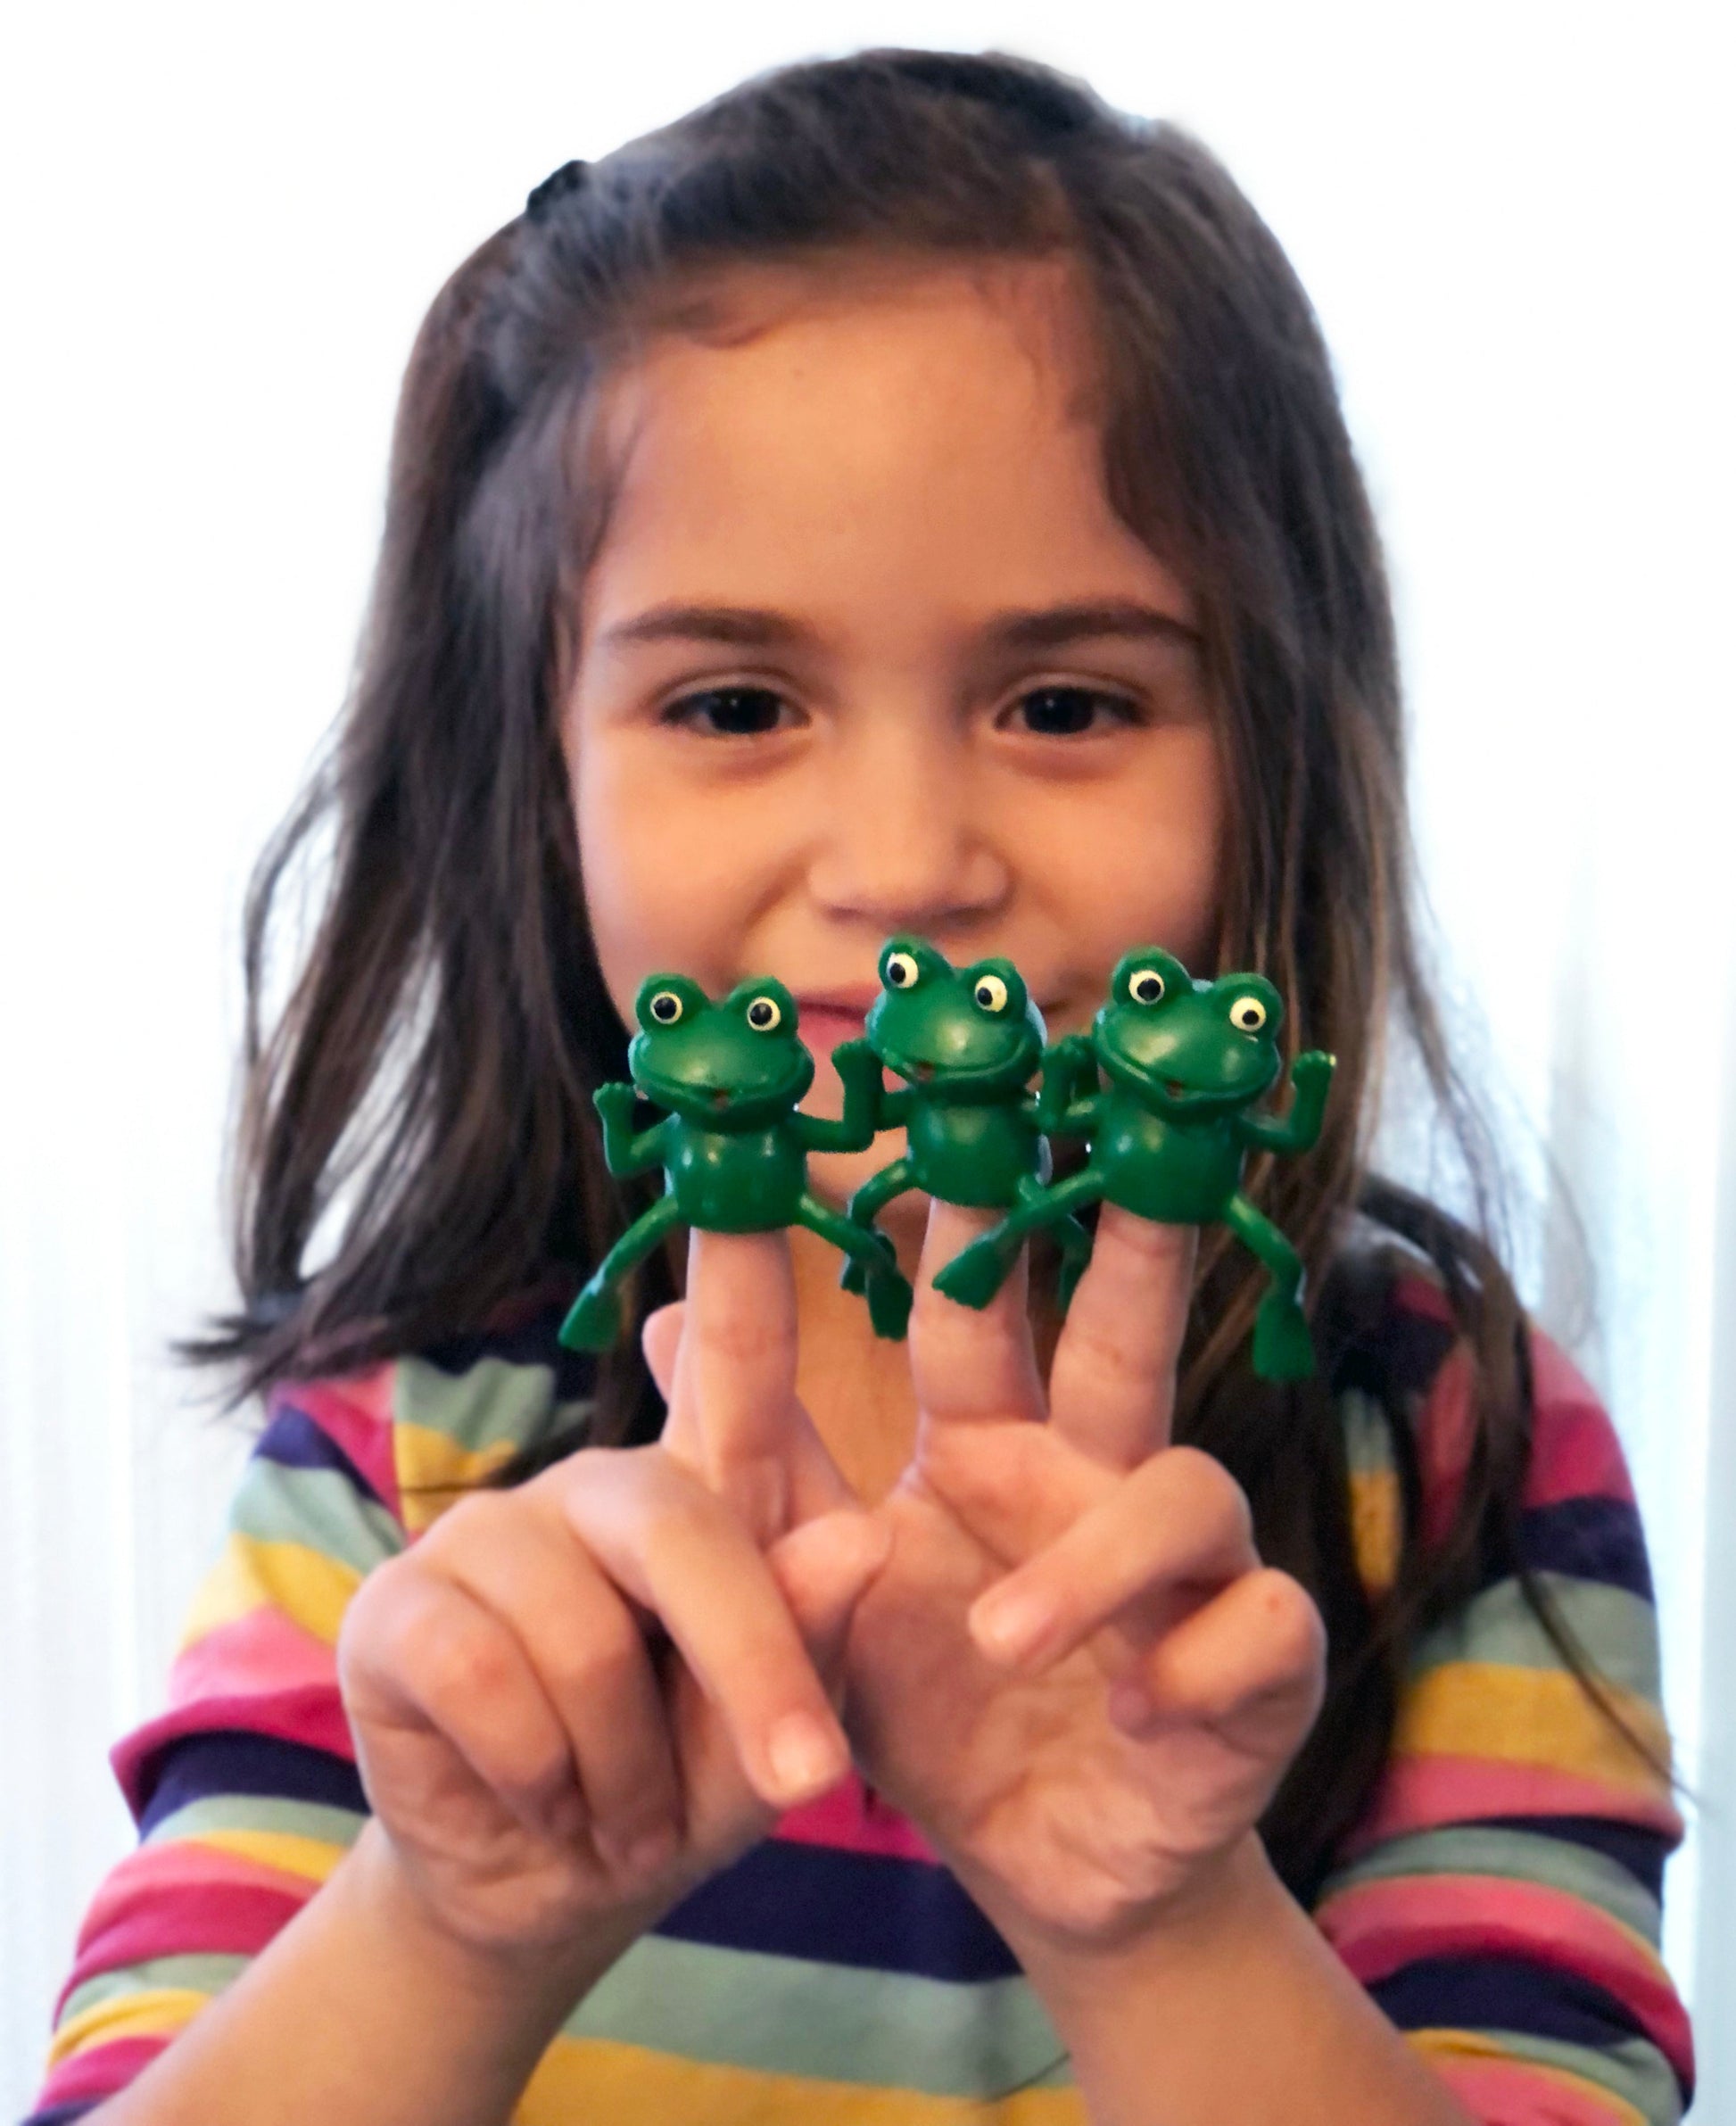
(1112, 1384)
(969, 1365)
(732, 1400)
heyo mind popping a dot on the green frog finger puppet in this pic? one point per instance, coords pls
(732, 1146)
(967, 1042)
(1164, 1090)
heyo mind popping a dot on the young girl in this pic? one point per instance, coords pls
(904, 495)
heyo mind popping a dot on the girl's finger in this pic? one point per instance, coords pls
(1251, 1665)
(802, 1480)
(588, 1651)
(970, 1366)
(1161, 1542)
(421, 1651)
(684, 1554)
(1112, 1384)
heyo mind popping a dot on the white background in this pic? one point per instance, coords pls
(222, 227)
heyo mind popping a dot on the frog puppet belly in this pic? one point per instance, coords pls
(1177, 1174)
(973, 1155)
(738, 1181)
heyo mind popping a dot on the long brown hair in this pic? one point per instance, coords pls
(417, 1143)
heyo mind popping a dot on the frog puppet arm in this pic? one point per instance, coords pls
(1310, 1080)
(732, 1147)
(1069, 1106)
(1182, 1062)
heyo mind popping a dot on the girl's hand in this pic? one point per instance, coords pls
(1073, 1673)
(574, 1700)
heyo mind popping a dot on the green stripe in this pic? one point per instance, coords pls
(259, 1812)
(829, 2021)
(1618, 1630)
(1634, 2070)
(316, 1507)
(492, 1403)
(1368, 1437)
(191, 1974)
(1516, 1857)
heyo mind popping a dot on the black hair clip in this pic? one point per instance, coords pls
(569, 178)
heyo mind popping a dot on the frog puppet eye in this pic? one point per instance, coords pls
(990, 993)
(1146, 986)
(1247, 1015)
(763, 1015)
(665, 1007)
(901, 971)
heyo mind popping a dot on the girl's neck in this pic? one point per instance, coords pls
(855, 1387)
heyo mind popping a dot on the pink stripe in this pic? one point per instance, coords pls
(313, 1716)
(1417, 1793)
(262, 1653)
(176, 1866)
(1379, 1927)
(1509, 2093)
(1574, 1452)
(186, 1919)
(99, 2071)
(852, 1821)
(357, 1412)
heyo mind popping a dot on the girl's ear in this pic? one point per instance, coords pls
(666, 1000)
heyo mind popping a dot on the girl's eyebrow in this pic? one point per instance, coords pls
(757, 627)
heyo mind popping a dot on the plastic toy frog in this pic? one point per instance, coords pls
(732, 1147)
(967, 1041)
(1167, 1135)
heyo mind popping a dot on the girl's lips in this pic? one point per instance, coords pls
(823, 1027)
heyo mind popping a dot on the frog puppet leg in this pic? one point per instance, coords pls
(977, 1273)
(866, 1204)
(593, 1321)
(871, 1253)
(1283, 1349)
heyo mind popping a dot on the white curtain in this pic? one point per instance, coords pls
(221, 227)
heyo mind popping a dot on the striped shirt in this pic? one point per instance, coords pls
(1500, 1900)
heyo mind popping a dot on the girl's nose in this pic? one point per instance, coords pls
(903, 845)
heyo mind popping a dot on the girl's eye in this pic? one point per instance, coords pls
(728, 712)
(1247, 1015)
(990, 993)
(764, 1016)
(1071, 712)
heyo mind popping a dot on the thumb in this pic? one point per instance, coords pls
(824, 1569)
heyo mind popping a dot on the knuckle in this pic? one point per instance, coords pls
(465, 1665)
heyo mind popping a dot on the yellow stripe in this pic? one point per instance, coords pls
(309, 1588)
(1375, 1526)
(155, 2015)
(607, 2084)
(1448, 2044)
(1527, 1716)
(312, 1859)
(445, 1470)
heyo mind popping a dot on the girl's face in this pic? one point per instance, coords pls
(864, 649)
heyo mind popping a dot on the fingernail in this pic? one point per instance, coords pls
(804, 1757)
(649, 1852)
(1011, 1625)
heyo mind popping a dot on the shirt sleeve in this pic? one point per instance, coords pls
(246, 1789)
(1502, 1900)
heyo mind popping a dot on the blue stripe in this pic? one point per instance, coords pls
(1642, 1852)
(63, 2115)
(1591, 1539)
(295, 1442)
(534, 1343)
(1506, 1993)
(872, 1910)
(1402, 1359)
(231, 1761)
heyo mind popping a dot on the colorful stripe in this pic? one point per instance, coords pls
(1499, 1900)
